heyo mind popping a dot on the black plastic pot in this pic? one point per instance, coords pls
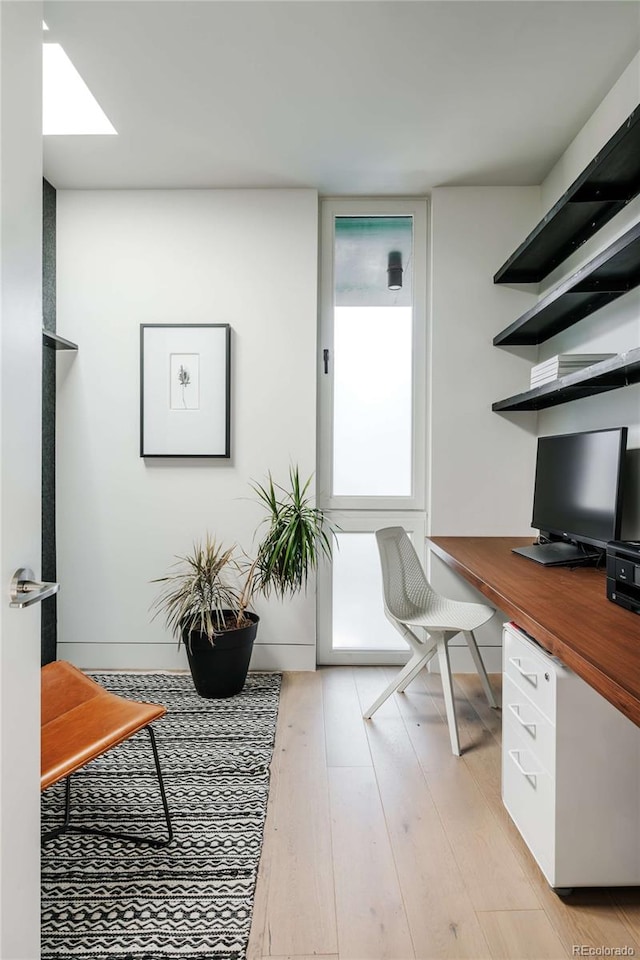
(221, 670)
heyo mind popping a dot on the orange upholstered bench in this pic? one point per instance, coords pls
(80, 721)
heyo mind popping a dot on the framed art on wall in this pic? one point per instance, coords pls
(185, 390)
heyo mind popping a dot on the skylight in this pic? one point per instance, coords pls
(68, 106)
(44, 26)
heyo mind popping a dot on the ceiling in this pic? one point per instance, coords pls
(348, 97)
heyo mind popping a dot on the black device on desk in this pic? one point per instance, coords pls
(623, 574)
(577, 500)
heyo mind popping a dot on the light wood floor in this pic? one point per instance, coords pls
(380, 844)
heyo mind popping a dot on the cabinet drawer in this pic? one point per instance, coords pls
(528, 793)
(536, 731)
(531, 670)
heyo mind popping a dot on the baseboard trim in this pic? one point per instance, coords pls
(166, 656)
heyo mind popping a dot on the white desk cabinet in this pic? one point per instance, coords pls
(570, 770)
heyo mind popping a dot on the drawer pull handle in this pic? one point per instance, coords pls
(529, 774)
(515, 710)
(531, 677)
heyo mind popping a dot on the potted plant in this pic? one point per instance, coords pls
(205, 602)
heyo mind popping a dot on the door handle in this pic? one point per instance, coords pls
(515, 710)
(25, 590)
(531, 677)
(529, 774)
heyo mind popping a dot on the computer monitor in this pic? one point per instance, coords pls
(578, 487)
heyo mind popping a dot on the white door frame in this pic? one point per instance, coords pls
(20, 471)
(368, 514)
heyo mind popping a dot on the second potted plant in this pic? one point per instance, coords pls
(205, 602)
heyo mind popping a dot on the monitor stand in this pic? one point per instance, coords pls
(558, 553)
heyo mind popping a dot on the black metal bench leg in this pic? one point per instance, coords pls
(67, 828)
(163, 794)
(64, 828)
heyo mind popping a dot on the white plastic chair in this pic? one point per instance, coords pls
(409, 601)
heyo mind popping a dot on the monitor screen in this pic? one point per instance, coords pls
(578, 491)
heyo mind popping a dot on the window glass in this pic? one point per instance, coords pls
(359, 622)
(372, 402)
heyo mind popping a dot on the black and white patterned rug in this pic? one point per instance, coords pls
(108, 898)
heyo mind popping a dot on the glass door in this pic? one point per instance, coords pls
(372, 411)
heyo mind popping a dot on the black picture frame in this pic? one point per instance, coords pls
(158, 390)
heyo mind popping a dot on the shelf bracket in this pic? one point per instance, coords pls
(50, 339)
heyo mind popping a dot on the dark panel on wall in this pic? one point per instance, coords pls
(49, 607)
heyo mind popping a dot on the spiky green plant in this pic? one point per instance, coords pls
(196, 597)
(210, 580)
(297, 537)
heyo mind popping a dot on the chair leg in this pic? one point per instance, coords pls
(64, 827)
(482, 673)
(414, 665)
(447, 689)
(67, 828)
(163, 795)
(402, 686)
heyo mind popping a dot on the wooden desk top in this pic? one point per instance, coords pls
(566, 610)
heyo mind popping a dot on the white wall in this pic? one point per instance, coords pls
(615, 328)
(247, 258)
(481, 463)
(157, 256)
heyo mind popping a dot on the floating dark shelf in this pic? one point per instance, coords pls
(620, 371)
(58, 343)
(603, 188)
(605, 278)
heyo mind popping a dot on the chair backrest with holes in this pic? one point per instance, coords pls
(407, 592)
